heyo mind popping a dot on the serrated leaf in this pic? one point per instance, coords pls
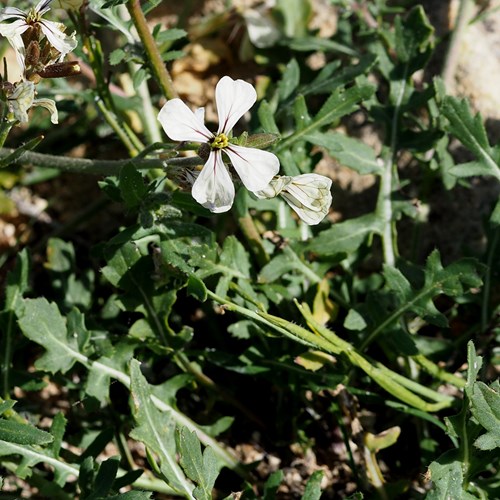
(413, 38)
(485, 406)
(347, 236)
(453, 281)
(447, 477)
(42, 323)
(31, 456)
(348, 151)
(470, 131)
(156, 430)
(339, 104)
(16, 432)
(202, 469)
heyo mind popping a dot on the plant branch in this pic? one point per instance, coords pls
(155, 60)
(95, 167)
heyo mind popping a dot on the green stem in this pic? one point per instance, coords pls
(464, 16)
(132, 146)
(253, 238)
(95, 167)
(485, 300)
(384, 211)
(155, 60)
(326, 340)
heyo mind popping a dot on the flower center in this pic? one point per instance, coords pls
(219, 142)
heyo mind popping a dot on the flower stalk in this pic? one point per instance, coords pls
(154, 57)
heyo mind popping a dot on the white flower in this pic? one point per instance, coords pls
(308, 194)
(213, 187)
(22, 21)
(22, 98)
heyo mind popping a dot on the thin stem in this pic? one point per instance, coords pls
(464, 16)
(95, 167)
(132, 146)
(149, 116)
(154, 57)
(487, 278)
(253, 238)
(384, 210)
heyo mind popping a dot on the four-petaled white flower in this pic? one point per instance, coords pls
(22, 21)
(308, 194)
(22, 98)
(213, 187)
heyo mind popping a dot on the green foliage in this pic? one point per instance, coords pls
(249, 340)
(463, 472)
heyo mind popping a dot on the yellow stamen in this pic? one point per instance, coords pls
(219, 142)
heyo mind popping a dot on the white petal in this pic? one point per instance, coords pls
(42, 7)
(13, 32)
(233, 98)
(21, 100)
(57, 38)
(213, 188)
(200, 114)
(274, 188)
(181, 124)
(310, 196)
(50, 105)
(11, 13)
(255, 167)
(312, 190)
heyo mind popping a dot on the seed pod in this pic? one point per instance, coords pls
(61, 70)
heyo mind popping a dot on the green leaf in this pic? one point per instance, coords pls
(453, 281)
(105, 477)
(17, 282)
(313, 486)
(32, 456)
(266, 117)
(42, 323)
(348, 151)
(447, 477)
(296, 15)
(470, 131)
(347, 236)
(156, 430)
(132, 187)
(272, 484)
(17, 155)
(197, 288)
(413, 39)
(290, 79)
(339, 104)
(16, 432)
(117, 56)
(202, 469)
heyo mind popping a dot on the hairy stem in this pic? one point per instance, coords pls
(95, 167)
(156, 62)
